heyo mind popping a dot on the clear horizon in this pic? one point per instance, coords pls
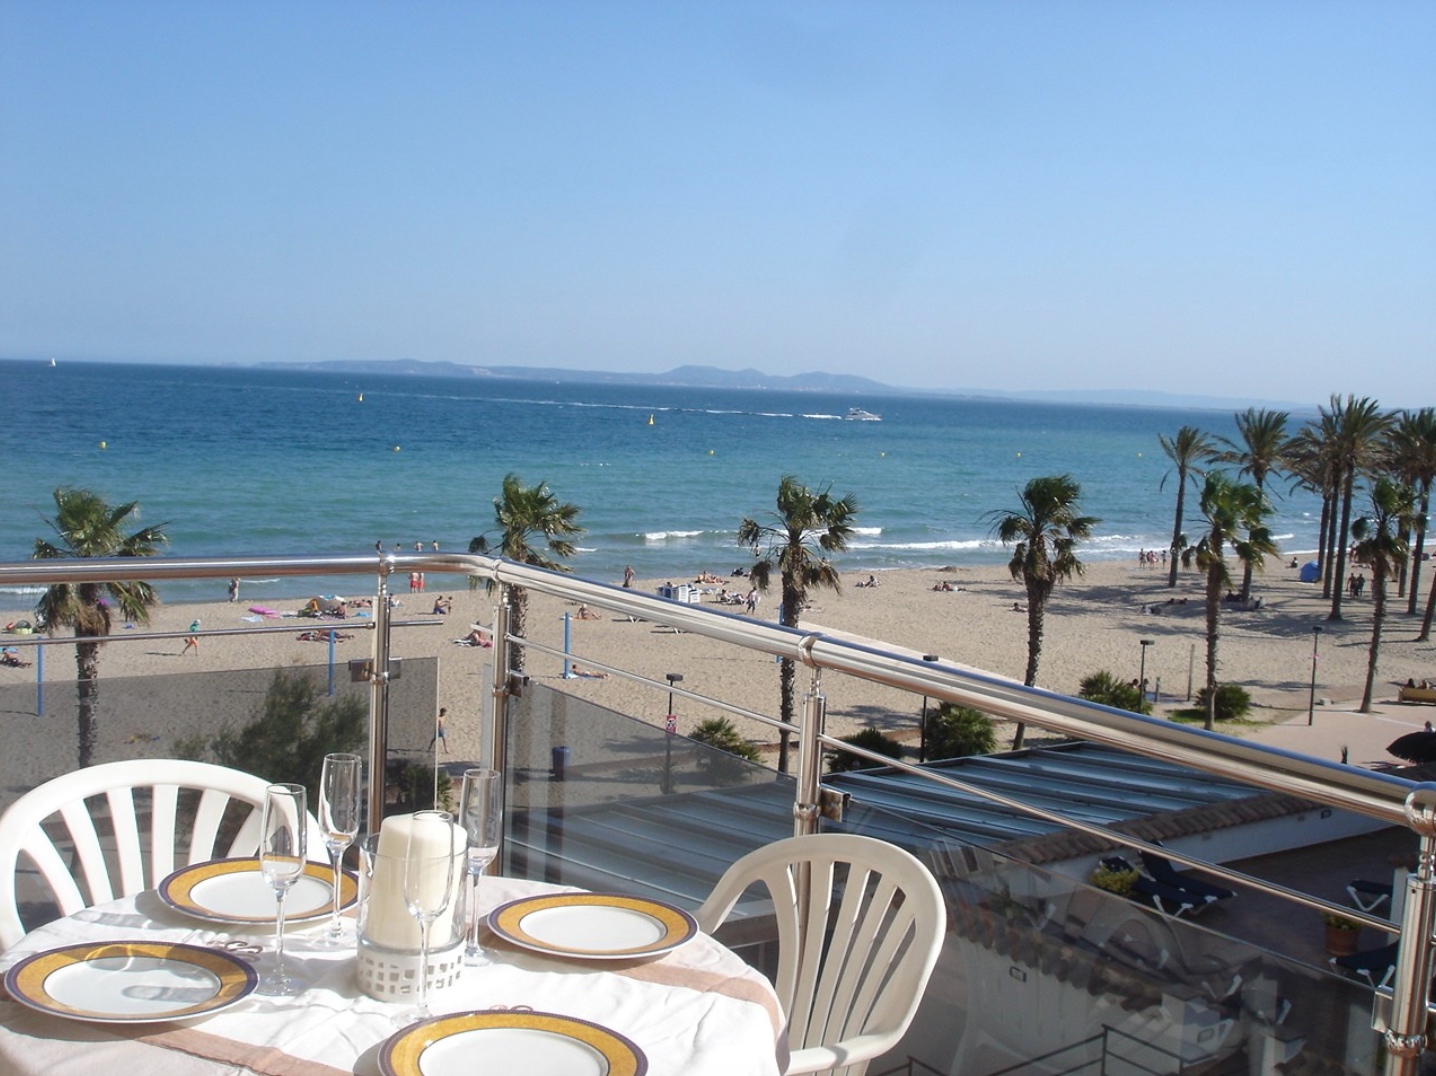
(1187, 198)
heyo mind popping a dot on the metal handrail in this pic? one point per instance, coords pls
(1390, 799)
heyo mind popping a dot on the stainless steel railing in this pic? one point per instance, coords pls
(1386, 798)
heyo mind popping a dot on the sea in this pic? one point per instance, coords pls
(264, 461)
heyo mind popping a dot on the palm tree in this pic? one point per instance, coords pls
(1413, 459)
(1187, 450)
(522, 516)
(802, 517)
(1262, 452)
(1360, 427)
(1311, 459)
(1046, 529)
(1235, 513)
(1381, 546)
(85, 526)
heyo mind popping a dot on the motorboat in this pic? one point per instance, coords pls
(857, 414)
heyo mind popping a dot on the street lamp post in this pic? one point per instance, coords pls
(922, 730)
(670, 728)
(1311, 706)
(1142, 675)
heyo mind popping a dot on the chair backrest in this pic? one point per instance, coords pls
(91, 819)
(853, 957)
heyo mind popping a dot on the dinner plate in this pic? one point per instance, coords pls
(130, 982)
(593, 926)
(534, 1043)
(234, 891)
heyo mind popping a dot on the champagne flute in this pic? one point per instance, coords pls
(481, 813)
(339, 820)
(281, 859)
(428, 885)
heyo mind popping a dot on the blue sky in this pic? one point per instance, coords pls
(1232, 198)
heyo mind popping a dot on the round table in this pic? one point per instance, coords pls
(697, 1010)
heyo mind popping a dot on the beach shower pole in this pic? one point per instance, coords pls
(670, 728)
(1311, 705)
(1142, 674)
(567, 648)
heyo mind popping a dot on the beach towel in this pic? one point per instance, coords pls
(263, 610)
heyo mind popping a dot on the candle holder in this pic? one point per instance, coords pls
(389, 956)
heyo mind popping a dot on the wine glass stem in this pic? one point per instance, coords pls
(279, 935)
(472, 946)
(336, 856)
(424, 965)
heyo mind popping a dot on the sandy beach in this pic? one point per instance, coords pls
(1093, 623)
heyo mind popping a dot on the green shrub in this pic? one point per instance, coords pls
(868, 740)
(724, 755)
(1106, 689)
(289, 735)
(414, 784)
(957, 731)
(1233, 702)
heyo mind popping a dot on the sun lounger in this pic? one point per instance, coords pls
(1203, 892)
(1376, 966)
(1368, 896)
(1167, 899)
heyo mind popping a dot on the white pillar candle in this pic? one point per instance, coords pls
(387, 921)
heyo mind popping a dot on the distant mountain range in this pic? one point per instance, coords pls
(712, 377)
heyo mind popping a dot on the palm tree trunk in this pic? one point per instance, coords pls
(788, 616)
(1340, 588)
(787, 674)
(1328, 537)
(1378, 614)
(1175, 551)
(1214, 615)
(1425, 635)
(87, 689)
(1036, 616)
(1414, 593)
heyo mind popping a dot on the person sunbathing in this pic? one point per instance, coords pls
(475, 638)
(585, 613)
(588, 674)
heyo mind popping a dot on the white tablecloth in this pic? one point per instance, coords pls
(698, 1010)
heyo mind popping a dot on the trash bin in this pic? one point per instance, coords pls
(561, 757)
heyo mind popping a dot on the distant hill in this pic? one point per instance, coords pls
(712, 377)
(692, 376)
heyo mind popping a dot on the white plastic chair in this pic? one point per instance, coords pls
(141, 859)
(851, 971)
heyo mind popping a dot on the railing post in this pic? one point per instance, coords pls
(379, 705)
(499, 714)
(1406, 1031)
(810, 757)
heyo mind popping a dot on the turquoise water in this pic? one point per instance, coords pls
(242, 461)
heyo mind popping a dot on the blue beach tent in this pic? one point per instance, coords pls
(1310, 572)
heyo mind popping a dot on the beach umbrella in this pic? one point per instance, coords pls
(1414, 747)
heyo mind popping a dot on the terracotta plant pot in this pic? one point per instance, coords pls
(1341, 941)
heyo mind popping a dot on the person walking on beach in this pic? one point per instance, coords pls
(234, 589)
(191, 641)
(628, 575)
(440, 732)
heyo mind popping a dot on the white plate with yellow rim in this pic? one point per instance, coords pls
(130, 982)
(235, 891)
(593, 926)
(534, 1043)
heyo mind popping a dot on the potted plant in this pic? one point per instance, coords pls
(1341, 934)
(1115, 875)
